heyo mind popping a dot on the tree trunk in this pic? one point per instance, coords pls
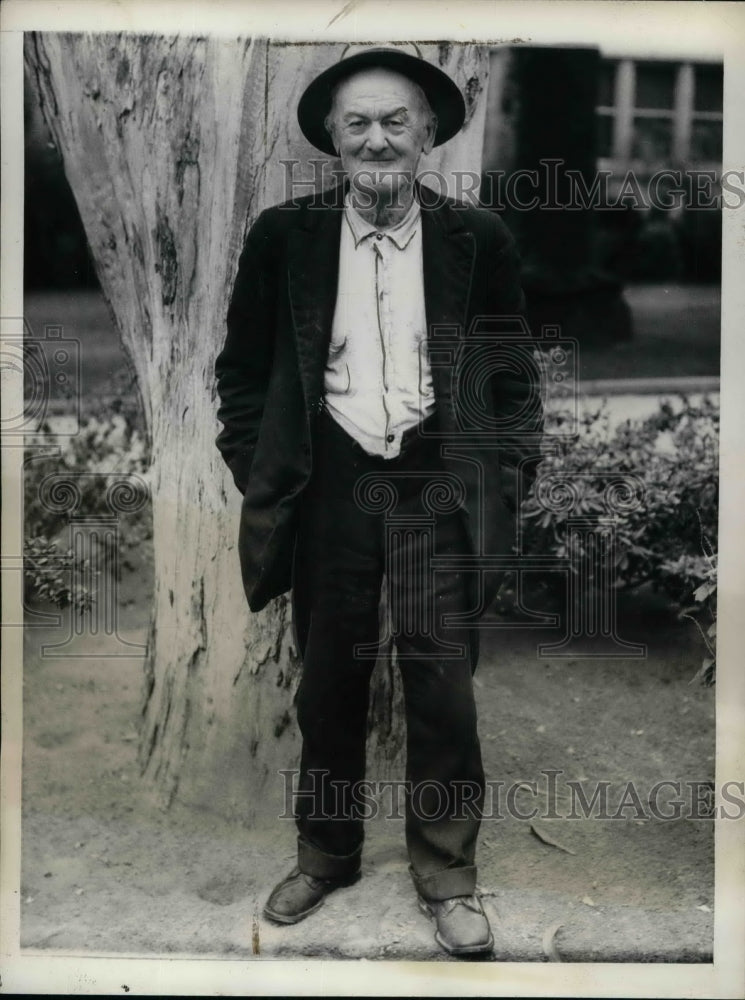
(172, 146)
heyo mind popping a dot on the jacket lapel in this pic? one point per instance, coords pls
(313, 272)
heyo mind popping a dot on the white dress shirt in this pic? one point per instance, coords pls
(377, 381)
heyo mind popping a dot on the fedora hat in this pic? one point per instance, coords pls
(443, 95)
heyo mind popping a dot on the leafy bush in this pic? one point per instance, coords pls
(703, 612)
(47, 571)
(670, 537)
(102, 447)
(106, 448)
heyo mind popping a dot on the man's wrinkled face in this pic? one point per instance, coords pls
(380, 124)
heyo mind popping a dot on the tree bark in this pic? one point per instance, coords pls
(172, 146)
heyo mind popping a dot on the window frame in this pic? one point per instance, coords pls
(623, 112)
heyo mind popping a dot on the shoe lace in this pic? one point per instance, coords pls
(470, 902)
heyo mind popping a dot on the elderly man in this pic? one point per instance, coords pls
(349, 354)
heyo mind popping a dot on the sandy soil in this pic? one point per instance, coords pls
(106, 871)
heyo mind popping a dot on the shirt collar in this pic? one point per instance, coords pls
(401, 234)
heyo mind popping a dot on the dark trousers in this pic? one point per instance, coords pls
(363, 518)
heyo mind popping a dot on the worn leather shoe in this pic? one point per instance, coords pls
(462, 927)
(298, 895)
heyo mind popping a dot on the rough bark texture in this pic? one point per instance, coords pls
(172, 146)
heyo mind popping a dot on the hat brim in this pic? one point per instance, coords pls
(442, 93)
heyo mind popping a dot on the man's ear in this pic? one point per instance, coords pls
(329, 126)
(430, 138)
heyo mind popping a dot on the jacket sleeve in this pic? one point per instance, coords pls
(517, 383)
(243, 367)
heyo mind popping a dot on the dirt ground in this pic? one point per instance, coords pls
(105, 871)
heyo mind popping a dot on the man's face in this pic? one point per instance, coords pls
(380, 124)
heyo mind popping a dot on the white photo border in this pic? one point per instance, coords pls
(639, 28)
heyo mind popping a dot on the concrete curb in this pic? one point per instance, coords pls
(589, 388)
(650, 386)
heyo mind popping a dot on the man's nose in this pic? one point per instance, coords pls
(376, 139)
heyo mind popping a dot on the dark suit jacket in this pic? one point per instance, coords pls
(270, 372)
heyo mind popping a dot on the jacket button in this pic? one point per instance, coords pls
(391, 438)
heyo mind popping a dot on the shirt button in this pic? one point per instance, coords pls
(391, 438)
(379, 236)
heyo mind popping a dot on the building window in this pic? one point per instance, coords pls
(654, 114)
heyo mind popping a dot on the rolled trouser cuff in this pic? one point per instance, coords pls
(446, 883)
(313, 861)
